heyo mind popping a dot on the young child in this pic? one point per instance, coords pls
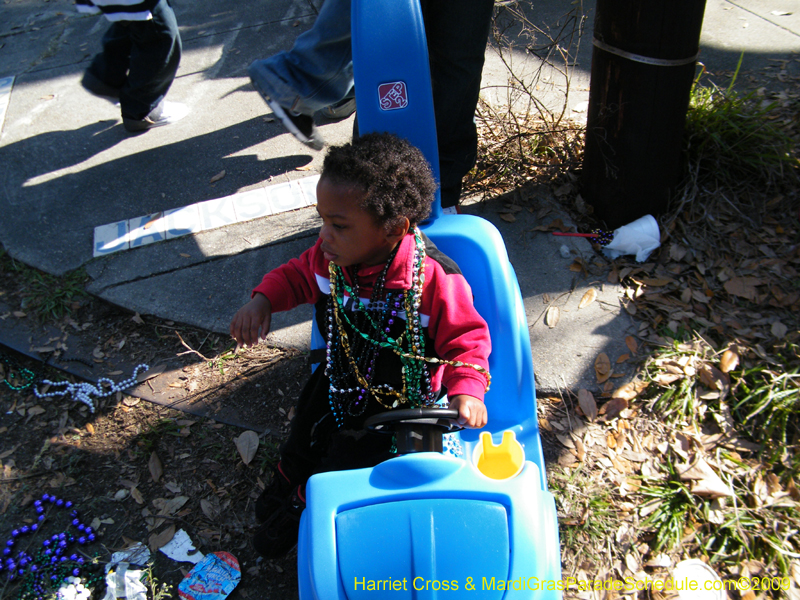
(396, 313)
(138, 62)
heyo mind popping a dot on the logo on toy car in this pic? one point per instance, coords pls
(393, 95)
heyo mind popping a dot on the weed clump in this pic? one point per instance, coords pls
(736, 139)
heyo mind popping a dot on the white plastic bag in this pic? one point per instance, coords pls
(640, 237)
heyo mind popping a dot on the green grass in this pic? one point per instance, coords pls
(148, 440)
(678, 402)
(732, 137)
(727, 533)
(674, 512)
(43, 295)
(268, 453)
(219, 362)
(768, 405)
(157, 590)
(764, 404)
(589, 516)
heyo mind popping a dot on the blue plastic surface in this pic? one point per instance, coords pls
(390, 63)
(533, 549)
(447, 538)
(399, 53)
(478, 248)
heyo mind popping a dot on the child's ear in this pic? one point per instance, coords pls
(398, 231)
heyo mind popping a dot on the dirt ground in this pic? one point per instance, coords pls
(132, 459)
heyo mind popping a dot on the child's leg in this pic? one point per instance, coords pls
(356, 448)
(110, 66)
(312, 425)
(154, 60)
(282, 503)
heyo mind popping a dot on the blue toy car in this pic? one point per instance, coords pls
(458, 513)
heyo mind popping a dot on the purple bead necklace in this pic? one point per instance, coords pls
(38, 572)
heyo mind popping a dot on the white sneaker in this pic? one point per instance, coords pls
(163, 114)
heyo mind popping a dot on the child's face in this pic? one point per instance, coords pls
(350, 235)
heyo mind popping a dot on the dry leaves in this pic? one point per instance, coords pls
(247, 445)
(729, 361)
(210, 507)
(612, 409)
(552, 316)
(155, 467)
(160, 540)
(705, 481)
(167, 508)
(589, 297)
(137, 495)
(588, 405)
(602, 367)
(630, 390)
(743, 287)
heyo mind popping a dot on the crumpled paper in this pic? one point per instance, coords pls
(138, 554)
(640, 237)
(122, 582)
(181, 548)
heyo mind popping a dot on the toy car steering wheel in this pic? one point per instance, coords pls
(416, 429)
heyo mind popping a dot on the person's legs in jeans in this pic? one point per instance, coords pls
(317, 71)
(457, 32)
(154, 59)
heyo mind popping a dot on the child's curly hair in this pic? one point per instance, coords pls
(394, 175)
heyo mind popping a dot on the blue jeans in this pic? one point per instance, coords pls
(140, 59)
(318, 72)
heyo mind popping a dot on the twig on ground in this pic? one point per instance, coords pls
(191, 350)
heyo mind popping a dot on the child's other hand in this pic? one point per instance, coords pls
(471, 411)
(254, 316)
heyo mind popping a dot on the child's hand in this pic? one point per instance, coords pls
(254, 316)
(471, 411)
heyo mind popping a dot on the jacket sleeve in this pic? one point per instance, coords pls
(293, 283)
(459, 333)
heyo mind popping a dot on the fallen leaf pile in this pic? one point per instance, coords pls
(735, 281)
(726, 279)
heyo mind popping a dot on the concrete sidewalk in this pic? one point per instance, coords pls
(231, 177)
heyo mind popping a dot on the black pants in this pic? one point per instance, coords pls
(316, 445)
(140, 59)
(457, 32)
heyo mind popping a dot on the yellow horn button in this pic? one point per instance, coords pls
(499, 462)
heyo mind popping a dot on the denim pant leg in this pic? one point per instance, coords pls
(457, 32)
(317, 71)
(155, 56)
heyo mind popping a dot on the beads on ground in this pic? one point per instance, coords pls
(83, 392)
(55, 570)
